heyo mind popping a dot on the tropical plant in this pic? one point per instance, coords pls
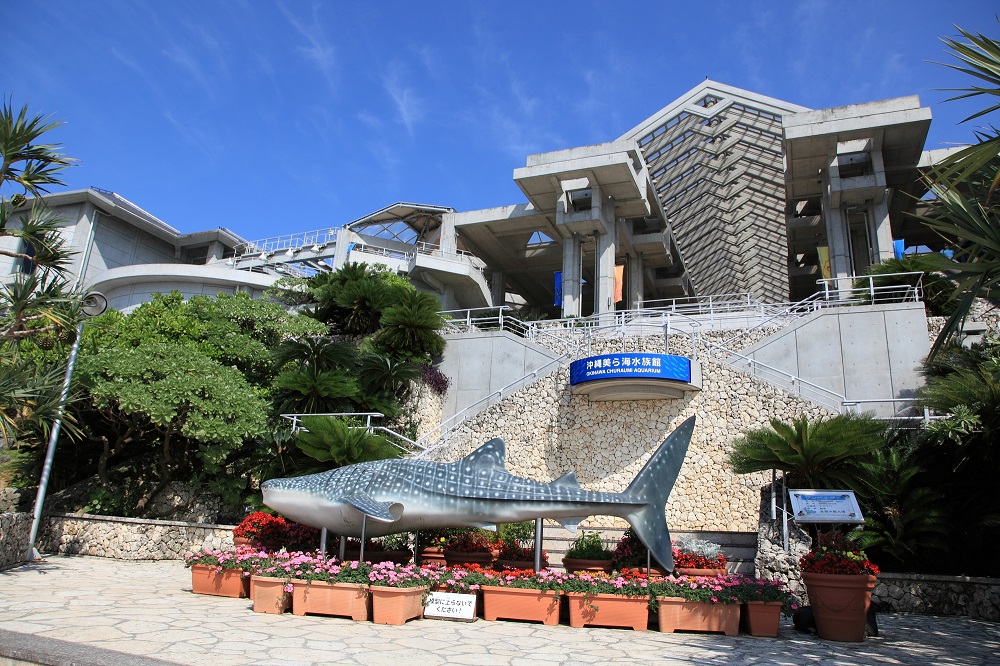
(964, 208)
(310, 390)
(589, 585)
(822, 453)
(904, 514)
(332, 440)
(37, 302)
(410, 326)
(470, 540)
(589, 546)
(183, 412)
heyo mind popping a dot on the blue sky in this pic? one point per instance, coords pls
(276, 117)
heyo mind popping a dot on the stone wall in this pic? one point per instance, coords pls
(549, 432)
(15, 528)
(939, 595)
(128, 538)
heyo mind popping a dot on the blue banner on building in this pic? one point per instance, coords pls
(558, 289)
(634, 365)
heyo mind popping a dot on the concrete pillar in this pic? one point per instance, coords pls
(881, 231)
(448, 235)
(497, 291)
(634, 282)
(344, 239)
(572, 276)
(838, 237)
(604, 289)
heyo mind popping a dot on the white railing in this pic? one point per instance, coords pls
(862, 288)
(413, 447)
(306, 239)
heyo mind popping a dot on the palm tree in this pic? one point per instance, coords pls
(820, 454)
(36, 303)
(979, 58)
(964, 211)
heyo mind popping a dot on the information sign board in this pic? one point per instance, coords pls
(451, 606)
(825, 506)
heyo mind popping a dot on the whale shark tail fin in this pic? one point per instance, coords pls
(652, 486)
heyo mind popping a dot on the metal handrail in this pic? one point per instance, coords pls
(798, 383)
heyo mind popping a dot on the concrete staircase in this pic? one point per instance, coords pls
(740, 548)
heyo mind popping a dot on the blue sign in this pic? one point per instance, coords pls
(634, 365)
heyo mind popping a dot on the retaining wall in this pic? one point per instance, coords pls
(14, 531)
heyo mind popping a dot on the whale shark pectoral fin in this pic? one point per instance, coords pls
(385, 512)
(570, 523)
(567, 479)
(491, 454)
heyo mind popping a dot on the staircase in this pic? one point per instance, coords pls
(740, 548)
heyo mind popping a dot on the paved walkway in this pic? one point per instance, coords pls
(95, 611)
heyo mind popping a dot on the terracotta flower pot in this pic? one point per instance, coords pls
(608, 610)
(431, 555)
(226, 583)
(501, 565)
(396, 605)
(241, 541)
(762, 617)
(677, 613)
(455, 558)
(321, 598)
(840, 604)
(269, 595)
(511, 603)
(572, 564)
(376, 556)
(691, 571)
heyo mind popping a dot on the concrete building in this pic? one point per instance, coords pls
(128, 254)
(723, 191)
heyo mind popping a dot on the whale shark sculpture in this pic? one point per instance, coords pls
(390, 496)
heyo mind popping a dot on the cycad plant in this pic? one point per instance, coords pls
(822, 453)
(336, 442)
(905, 520)
(411, 325)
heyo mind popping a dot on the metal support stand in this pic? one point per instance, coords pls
(364, 529)
(343, 548)
(322, 543)
(538, 544)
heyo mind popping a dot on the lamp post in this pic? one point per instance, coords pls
(93, 304)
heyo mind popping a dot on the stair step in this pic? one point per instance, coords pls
(740, 548)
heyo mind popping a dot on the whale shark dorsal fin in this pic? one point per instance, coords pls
(491, 454)
(368, 505)
(567, 479)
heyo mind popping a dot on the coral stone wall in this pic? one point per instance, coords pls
(15, 528)
(549, 432)
(129, 538)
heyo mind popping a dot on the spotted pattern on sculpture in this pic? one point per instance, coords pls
(390, 496)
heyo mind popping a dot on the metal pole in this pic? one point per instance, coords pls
(50, 454)
(774, 494)
(784, 513)
(343, 548)
(364, 529)
(322, 543)
(538, 544)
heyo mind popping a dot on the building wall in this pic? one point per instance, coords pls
(478, 364)
(861, 352)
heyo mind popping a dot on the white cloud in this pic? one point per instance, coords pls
(409, 105)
